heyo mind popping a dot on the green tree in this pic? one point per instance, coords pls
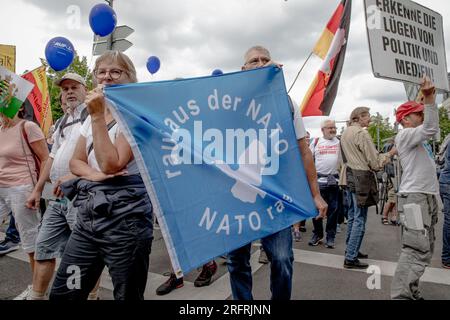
(444, 123)
(80, 66)
(381, 129)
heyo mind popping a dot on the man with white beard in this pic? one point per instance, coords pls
(60, 217)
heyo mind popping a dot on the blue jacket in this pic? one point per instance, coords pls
(444, 178)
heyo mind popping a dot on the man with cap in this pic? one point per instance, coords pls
(60, 216)
(419, 200)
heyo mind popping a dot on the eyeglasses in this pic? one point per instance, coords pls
(331, 128)
(115, 74)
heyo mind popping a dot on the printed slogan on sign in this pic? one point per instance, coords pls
(406, 42)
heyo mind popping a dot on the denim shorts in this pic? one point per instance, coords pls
(55, 229)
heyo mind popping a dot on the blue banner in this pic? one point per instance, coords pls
(219, 159)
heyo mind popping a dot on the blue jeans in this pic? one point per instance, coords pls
(356, 227)
(11, 233)
(278, 247)
(445, 194)
(330, 195)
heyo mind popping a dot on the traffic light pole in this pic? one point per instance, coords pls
(110, 37)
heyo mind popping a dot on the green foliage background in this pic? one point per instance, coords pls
(80, 66)
(388, 130)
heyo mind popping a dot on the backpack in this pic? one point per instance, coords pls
(316, 142)
(62, 122)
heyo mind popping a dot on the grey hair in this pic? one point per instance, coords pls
(122, 59)
(259, 49)
(357, 113)
(324, 123)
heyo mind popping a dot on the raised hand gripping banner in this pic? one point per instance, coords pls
(219, 158)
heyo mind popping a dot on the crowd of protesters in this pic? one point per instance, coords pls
(101, 216)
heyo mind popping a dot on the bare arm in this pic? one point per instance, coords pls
(111, 158)
(79, 163)
(40, 149)
(79, 166)
(311, 175)
(35, 196)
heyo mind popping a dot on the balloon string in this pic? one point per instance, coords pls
(92, 58)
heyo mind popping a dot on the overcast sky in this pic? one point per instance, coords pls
(194, 37)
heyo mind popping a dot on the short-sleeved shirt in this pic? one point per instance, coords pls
(16, 158)
(64, 145)
(86, 131)
(299, 126)
(326, 156)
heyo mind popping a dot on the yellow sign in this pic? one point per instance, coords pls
(8, 57)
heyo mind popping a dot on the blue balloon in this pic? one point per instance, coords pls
(103, 19)
(59, 53)
(217, 72)
(153, 64)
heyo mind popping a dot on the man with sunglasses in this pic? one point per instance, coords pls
(418, 193)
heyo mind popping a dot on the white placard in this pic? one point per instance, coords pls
(406, 41)
(413, 216)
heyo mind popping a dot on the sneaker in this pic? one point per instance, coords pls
(330, 244)
(7, 246)
(355, 265)
(315, 241)
(297, 236)
(446, 265)
(338, 228)
(204, 278)
(263, 257)
(24, 294)
(171, 284)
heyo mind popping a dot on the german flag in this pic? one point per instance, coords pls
(331, 48)
(39, 97)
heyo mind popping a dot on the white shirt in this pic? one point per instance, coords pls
(299, 126)
(64, 146)
(86, 131)
(419, 170)
(326, 155)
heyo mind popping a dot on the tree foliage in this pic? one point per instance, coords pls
(444, 123)
(387, 130)
(381, 129)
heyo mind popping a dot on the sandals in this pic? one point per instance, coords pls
(385, 221)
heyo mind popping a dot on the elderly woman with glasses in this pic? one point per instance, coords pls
(114, 224)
